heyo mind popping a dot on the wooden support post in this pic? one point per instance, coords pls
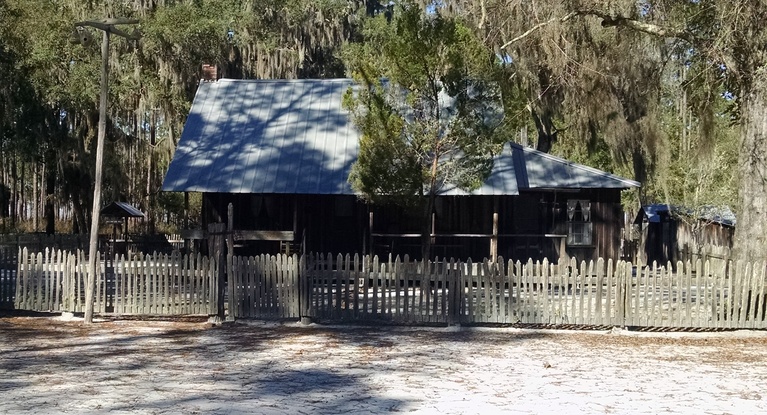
(295, 224)
(494, 239)
(187, 242)
(93, 251)
(305, 290)
(370, 232)
(563, 257)
(433, 230)
(216, 252)
(230, 277)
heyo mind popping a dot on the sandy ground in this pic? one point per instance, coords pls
(188, 366)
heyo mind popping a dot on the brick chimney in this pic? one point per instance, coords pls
(209, 72)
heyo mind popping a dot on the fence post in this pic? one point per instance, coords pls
(627, 279)
(216, 252)
(620, 295)
(304, 291)
(456, 291)
(21, 270)
(231, 283)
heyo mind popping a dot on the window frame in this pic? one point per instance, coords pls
(580, 228)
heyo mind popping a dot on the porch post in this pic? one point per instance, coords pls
(494, 239)
(216, 252)
(370, 231)
(230, 277)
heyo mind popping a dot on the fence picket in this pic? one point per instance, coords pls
(761, 301)
(365, 277)
(744, 283)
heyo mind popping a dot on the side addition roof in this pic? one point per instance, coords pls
(655, 213)
(537, 170)
(523, 168)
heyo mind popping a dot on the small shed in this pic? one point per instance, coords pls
(117, 214)
(678, 233)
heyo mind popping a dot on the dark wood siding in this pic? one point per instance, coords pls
(530, 225)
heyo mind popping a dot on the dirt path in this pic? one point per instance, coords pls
(52, 366)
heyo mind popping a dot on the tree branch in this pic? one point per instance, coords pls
(614, 21)
(538, 26)
(649, 28)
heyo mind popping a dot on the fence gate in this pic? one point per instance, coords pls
(398, 291)
(264, 286)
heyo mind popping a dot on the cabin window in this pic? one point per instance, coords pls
(579, 225)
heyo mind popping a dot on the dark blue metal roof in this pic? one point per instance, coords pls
(121, 209)
(293, 136)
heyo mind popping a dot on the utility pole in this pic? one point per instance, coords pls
(107, 26)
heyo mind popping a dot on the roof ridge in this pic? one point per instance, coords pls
(270, 81)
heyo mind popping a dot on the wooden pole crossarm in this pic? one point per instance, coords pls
(108, 21)
(108, 25)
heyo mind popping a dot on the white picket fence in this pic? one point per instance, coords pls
(401, 291)
(601, 293)
(140, 284)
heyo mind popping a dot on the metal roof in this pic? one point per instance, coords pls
(538, 170)
(122, 210)
(277, 136)
(722, 215)
(293, 136)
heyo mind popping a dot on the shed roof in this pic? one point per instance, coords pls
(293, 136)
(121, 210)
(654, 213)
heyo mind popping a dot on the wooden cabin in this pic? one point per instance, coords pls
(280, 152)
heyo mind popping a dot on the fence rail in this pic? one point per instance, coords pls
(401, 291)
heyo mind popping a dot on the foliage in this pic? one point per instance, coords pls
(668, 92)
(49, 112)
(427, 106)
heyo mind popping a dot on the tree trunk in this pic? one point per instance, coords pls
(35, 196)
(79, 222)
(14, 191)
(547, 133)
(751, 229)
(50, 195)
(150, 176)
(23, 194)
